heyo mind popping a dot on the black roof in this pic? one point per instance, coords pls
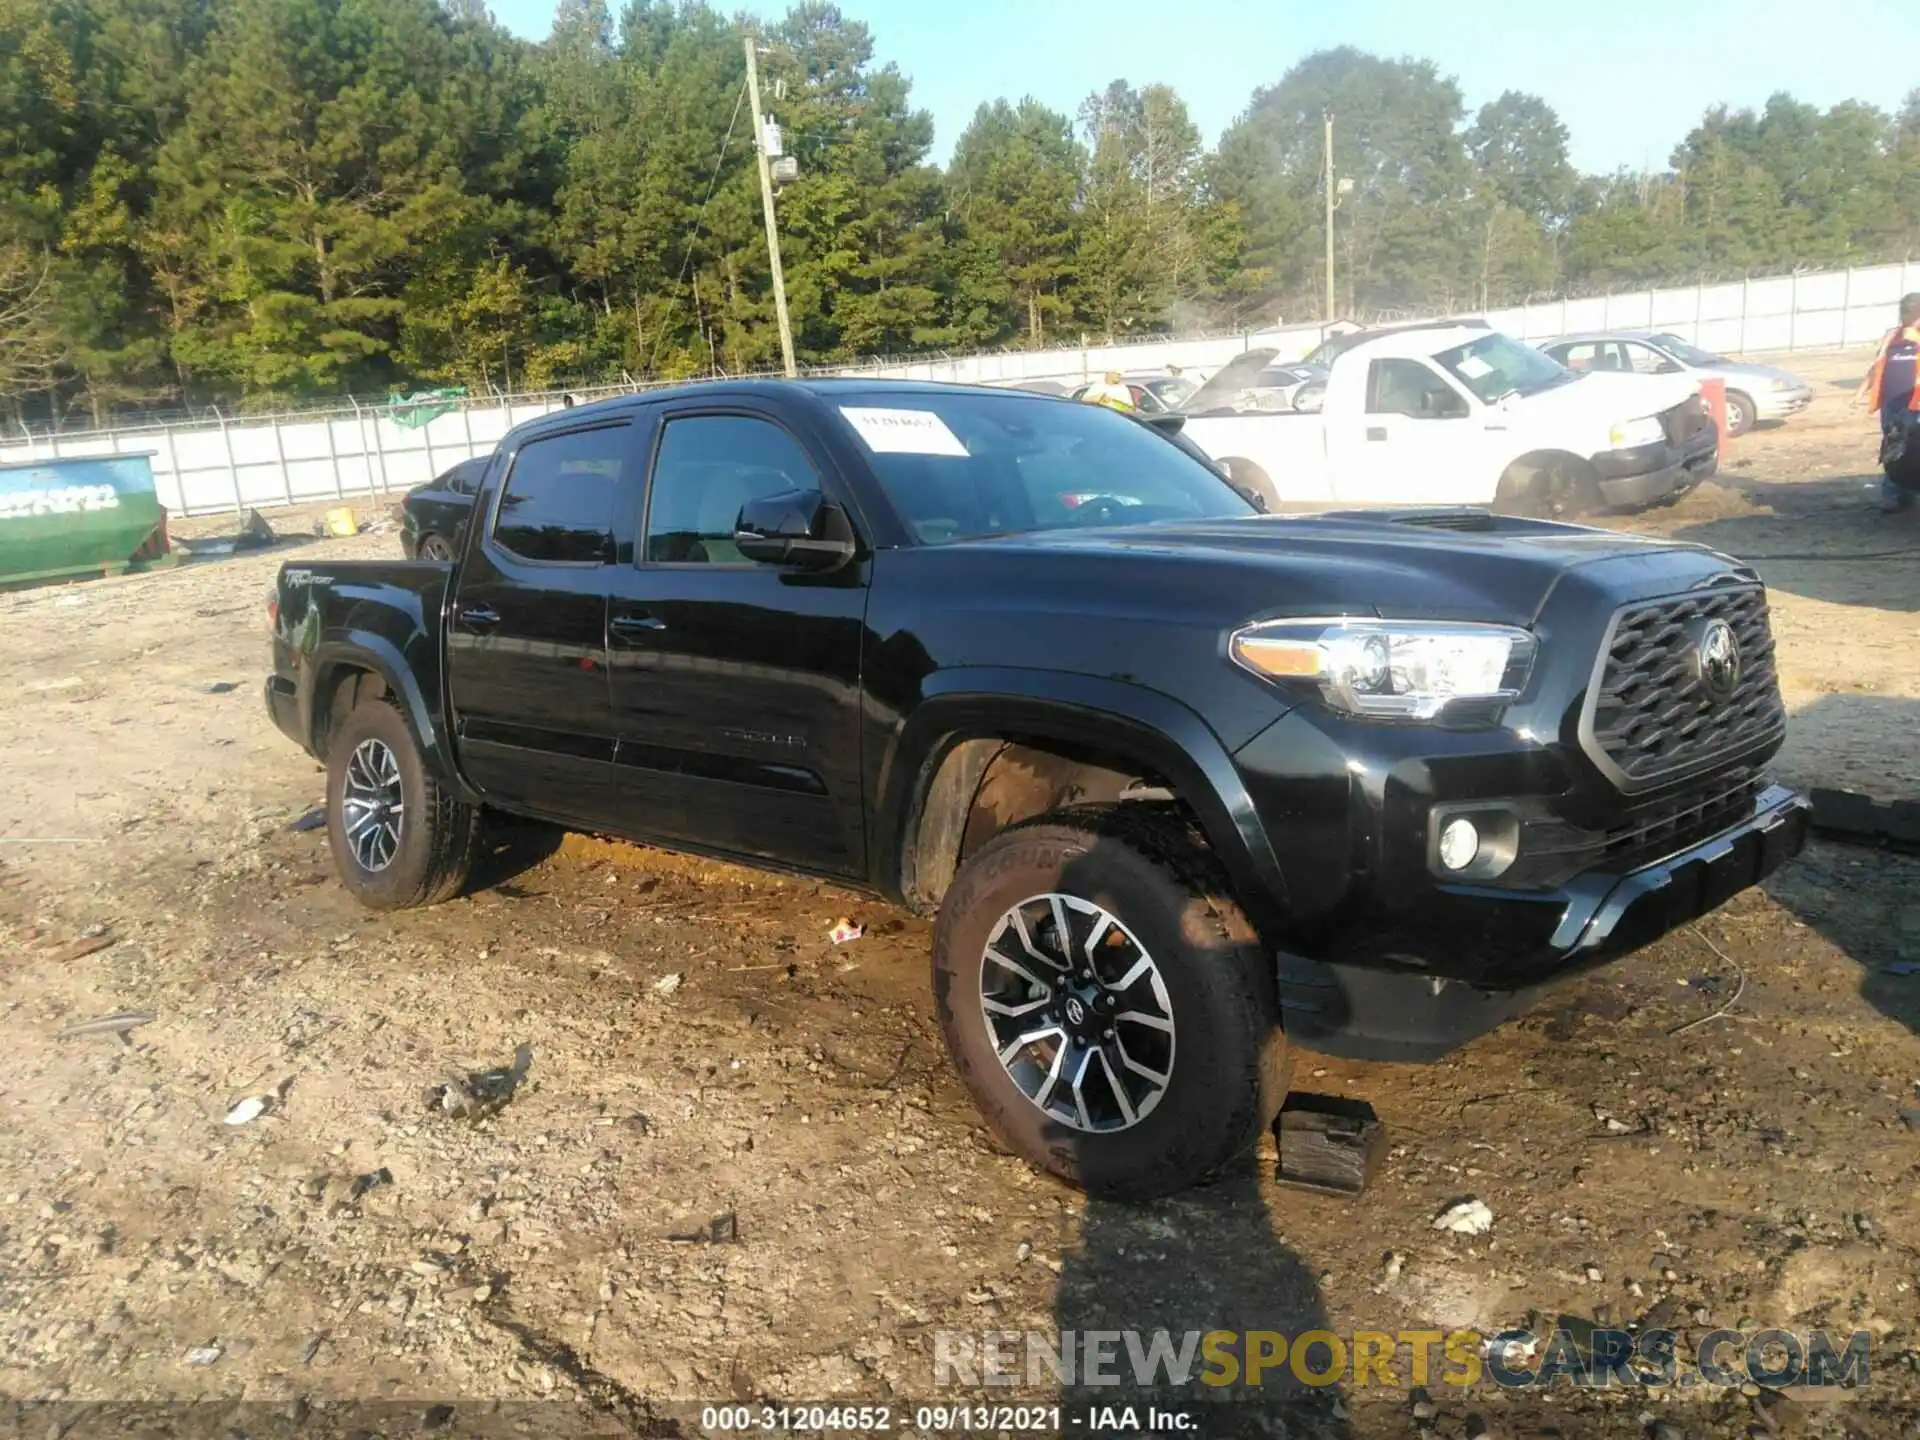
(820, 389)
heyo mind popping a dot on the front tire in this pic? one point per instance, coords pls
(1142, 1052)
(432, 547)
(1739, 413)
(1252, 481)
(399, 838)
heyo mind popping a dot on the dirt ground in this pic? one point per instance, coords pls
(738, 1166)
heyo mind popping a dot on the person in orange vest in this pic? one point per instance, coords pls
(1892, 391)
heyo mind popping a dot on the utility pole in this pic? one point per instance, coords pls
(766, 203)
(1327, 116)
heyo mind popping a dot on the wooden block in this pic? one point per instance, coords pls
(1902, 824)
(1845, 813)
(1328, 1144)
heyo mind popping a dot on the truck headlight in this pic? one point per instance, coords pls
(1631, 433)
(1400, 669)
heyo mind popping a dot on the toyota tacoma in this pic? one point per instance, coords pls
(1183, 782)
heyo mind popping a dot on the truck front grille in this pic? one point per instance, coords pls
(1677, 821)
(1650, 717)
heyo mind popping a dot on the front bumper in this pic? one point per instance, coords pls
(1526, 940)
(1654, 474)
(1780, 404)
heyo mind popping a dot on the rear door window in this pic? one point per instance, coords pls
(557, 504)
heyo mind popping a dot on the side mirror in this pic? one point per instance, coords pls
(795, 527)
(1167, 422)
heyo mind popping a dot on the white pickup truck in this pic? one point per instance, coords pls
(1459, 414)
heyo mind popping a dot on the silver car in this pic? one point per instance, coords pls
(1754, 392)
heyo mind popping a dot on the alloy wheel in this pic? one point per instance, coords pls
(371, 805)
(1078, 1013)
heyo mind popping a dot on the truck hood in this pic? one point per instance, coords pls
(1607, 396)
(1228, 387)
(1459, 565)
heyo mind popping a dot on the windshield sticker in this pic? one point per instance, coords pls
(1472, 367)
(903, 432)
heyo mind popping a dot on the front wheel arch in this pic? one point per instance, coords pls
(1111, 725)
(1548, 485)
(1249, 477)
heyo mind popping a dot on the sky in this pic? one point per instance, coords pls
(1629, 77)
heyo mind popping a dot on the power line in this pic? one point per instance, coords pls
(693, 230)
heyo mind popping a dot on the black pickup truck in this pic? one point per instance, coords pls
(1178, 778)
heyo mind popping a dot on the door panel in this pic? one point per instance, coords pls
(1419, 442)
(735, 685)
(526, 638)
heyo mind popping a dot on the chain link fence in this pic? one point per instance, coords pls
(207, 464)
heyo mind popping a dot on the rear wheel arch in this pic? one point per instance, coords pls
(338, 689)
(363, 664)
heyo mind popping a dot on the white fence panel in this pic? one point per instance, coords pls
(230, 464)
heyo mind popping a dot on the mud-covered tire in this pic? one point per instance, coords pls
(1145, 866)
(1553, 491)
(438, 833)
(1740, 413)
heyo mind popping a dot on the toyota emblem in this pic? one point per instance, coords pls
(1718, 657)
(1076, 1012)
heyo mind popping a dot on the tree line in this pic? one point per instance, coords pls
(255, 202)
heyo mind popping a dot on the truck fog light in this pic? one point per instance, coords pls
(1459, 843)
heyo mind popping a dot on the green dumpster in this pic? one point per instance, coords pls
(64, 518)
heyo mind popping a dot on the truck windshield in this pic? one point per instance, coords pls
(964, 465)
(1495, 366)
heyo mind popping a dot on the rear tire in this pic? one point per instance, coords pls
(1136, 887)
(1739, 413)
(399, 838)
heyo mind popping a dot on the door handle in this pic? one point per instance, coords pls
(480, 617)
(1376, 432)
(634, 624)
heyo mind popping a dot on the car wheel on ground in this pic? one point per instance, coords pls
(399, 838)
(1107, 1003)
(1739, 413)
(1549, 489)
(432, 547)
